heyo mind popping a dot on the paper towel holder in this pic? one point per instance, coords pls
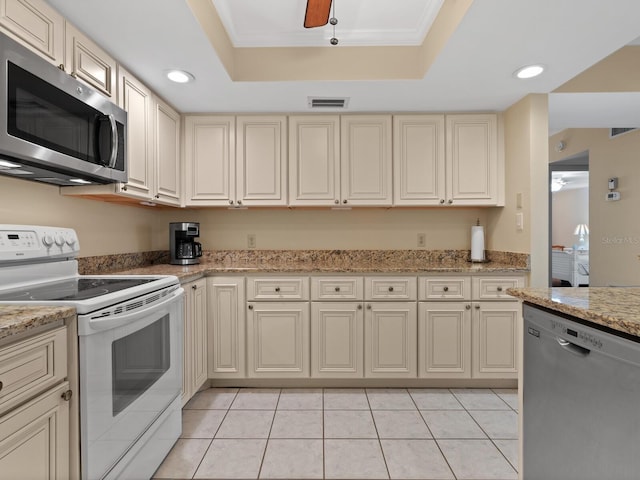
(484, 251)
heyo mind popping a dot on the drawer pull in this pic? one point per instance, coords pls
(277, 289)
(369, 307)
(391, 289)
(337, 289)
(1, 385)
(359, 307)
(446, 289)
(468, 307)
(66, 396)
(477, 307)
(499, 289)
(194, 287)
(250, 307)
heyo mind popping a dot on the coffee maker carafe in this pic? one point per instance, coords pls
(183, 247)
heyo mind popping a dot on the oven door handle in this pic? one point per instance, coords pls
(114, 321)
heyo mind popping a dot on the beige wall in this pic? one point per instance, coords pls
(614, 226)
(569, 207)
(445, 228)
(102, 228)
(526, 173)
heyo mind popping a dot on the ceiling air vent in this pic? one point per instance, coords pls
(325, 102)
(614, 132)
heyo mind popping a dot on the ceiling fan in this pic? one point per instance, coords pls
(317, 13)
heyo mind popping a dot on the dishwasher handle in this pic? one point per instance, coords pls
(573, 348)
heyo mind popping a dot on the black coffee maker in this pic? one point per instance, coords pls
(183, 247)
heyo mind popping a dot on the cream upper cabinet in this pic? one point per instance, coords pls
(314, 160)
(88, 62)
(210, 152)
(261, 160)
(226, 327)
(366, 155)
(137, 100)
(168, 184)
(444, 339)
(195, 338)
(419, 170)
(36, 25)
(475, 165)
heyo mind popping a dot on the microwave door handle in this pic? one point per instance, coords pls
(114, 141)
(115, 321)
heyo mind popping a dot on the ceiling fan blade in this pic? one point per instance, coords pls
(317, 13)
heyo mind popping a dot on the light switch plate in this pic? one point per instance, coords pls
(519, 221)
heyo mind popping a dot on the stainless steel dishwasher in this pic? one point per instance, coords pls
(581, 411)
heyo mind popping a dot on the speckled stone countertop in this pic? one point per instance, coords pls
(20, 320)
(616, 308)
(332, 261)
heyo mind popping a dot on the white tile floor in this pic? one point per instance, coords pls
(430, 434)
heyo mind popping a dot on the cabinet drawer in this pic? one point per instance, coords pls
(390, 288)
(495, 288)
(278, 288)
(337, 288)
(31, 366)
(445, 288)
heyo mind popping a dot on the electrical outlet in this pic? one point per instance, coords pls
(251, 240)
(422, 240)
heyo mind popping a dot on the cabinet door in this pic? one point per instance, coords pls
(210, 151)
(472, 160)
(337, 336)
(366, 171)
(88, 62)
(34, 438)
(444, 339)
(314, 160)
(195, 338)
(136, 99)
(495, 339)
(36, 25)
(390, 339)
(418, 160)
(167, 154)
(261, 156)
(226, 327)
(278, 339)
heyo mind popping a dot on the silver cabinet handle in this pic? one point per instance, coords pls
(194, 287)
(66, 396)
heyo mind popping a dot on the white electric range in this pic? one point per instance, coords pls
(129, 348)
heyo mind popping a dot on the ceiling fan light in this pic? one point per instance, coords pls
(529, 71)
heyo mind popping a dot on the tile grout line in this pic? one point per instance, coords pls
(373, 419)
(436, 440)
(266, 445)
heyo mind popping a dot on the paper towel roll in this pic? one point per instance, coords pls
(477, 243)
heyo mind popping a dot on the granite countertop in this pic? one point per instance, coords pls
(188, 273)
(616, 308)
(19, 319)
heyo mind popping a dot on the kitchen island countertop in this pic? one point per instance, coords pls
(613, 307)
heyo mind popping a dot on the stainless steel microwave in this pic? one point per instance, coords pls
(53, 128)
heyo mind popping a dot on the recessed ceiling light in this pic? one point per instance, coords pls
(529, 71)
(180, 76)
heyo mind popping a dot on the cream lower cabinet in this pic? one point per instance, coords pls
(226, 308)
(278, 339)
(195, 338)
(495, 339)
(337, 332)
(444, 339)
(34, 408)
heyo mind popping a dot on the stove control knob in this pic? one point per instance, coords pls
(59, 240)
(47, 240)
(70, 240)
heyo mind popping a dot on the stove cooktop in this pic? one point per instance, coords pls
(75, 289)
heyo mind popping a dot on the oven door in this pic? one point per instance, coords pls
(130, 371)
